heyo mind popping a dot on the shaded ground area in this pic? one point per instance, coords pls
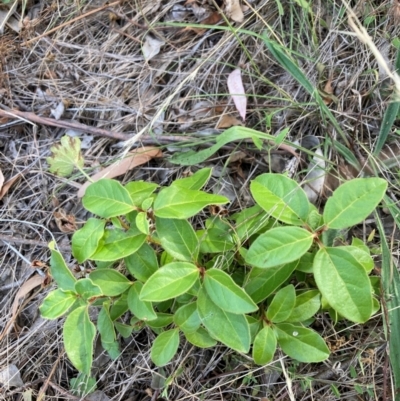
(89, 61)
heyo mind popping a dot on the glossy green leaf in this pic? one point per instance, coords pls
(86, 240)
(87, 289)
(179, 203)
(228, 328)
(178, 238)
(78, 335)
(282, 304)
(111, 282)
(307, 305)
(143, 310)
(344, 283)
(142, 223)
(225, 293)
(107, 332)
(196, 181)
(281, 197)
(187, 318)
(353, 201)
(200, 338)
(143, 263)
(261, 283)
(264, 346)
(117, 244)
(300, 343)
(140, 191)
(165, 347)
(107, 198)
(162, 320)
(279, 246)
(361, 256)
(57, 303)
(60, 272)
(169, 282)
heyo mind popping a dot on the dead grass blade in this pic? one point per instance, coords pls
(135, 158)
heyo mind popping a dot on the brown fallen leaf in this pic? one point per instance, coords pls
(8, 184)
(65, 222)
(234, 10)
(135, 158)
(328, 92)
(212, 19)
(227, 121)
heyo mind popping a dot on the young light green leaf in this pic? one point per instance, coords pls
(65, 156)
(57, 303)
(344, 283)
(169, 281)
(361, 255)
(261, 283)
(117, 244)
(78, 334)
(162, 320)
(300, 343)
(87, 289)
(178, 239)
(200, 338)
(264, 346)
(225, 293)
(353, 201)
(195, 181)
(279, 246)
(111, 282)
(141, 309)
(187, 318)
(82, 385)
(107, 198)
(142, 223)
(180, 203)
(60, 271)
(139, 191)
(107, 332)
(143, 263)
(282, 304)
(165, 347)
(86, 240)
(307, 305)
(281, 197)
(228, 328)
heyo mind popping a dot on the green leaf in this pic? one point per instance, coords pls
(169, 281)
(361, 255)
(142, 223)
(180, 203)
(60, 271)
(86, 240)
(224, 292)
(65, 156)
(187, 318)
(353, 201)
(107, 332)
(281, 197)
(300, 343)
(87, 289)
(282, 304)
(178, 239)
(82, 385)
(200, 338)
(111, 282)
(305, 264)
(119, 307)
(344, 283)
(195, 181)
(216, 238)
(143, 263)
(162, 320)
(279, 246)
(117, 244)
(123, 329)
(107, 198)
(139, 191)
(57, 303)
(165, 347)
(264, 346)
(141, 309)
(250, 221)
(78, 334)
(255, 326)
(228, 328)
(261, 283)
(307, 305)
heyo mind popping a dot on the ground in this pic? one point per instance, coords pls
(127, 74)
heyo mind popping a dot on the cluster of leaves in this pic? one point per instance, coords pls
(253, 280)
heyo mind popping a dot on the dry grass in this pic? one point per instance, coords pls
(93, 63)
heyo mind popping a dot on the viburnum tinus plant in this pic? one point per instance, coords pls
(252, 281)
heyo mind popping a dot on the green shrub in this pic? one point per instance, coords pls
(252, 281)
